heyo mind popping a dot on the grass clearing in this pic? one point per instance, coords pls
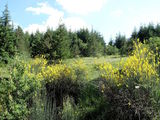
(91, 63)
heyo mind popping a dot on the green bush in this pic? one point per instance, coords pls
(17, 90)
(69, 110)
(112, 50)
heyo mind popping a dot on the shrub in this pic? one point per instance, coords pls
(112, 50)
(61, 80)
(17, 91)
(69, 110)
(132, 87)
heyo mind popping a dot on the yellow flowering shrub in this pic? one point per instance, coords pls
(133, 86)
(60, 80)
(58, 71)
(141, 66)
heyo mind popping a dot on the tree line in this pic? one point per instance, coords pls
(53, 44)
(62, 43)
(148, 34)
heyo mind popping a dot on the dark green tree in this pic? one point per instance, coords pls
(22, 41)
(7, 38)
(134, 34)
(47, 42)
(75, 44)
(120, 40)
(111, 43)
(157, 30)
(83, 34)
(93, 43)
(36, 44)
(96, 44)
(121, 43)
(61, 43)
(145, 32)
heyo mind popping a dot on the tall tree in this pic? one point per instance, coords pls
(8, 42)
(111, 43)
(21, 41)
(121, 43)
(120, 40)
(75, 44)
(47, 42)
(83, 34)
(36, 44)
(61, 42)
(96, 44)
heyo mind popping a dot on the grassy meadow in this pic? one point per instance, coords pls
(93, 62)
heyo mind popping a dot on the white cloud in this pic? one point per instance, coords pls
(117, 13)
(34, 27)
(54, 18)
(141, 19)
(81, 6)
(146, 19)
(130, 22)
(74, 23)
(45, 8)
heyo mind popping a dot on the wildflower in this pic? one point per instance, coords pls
(137, 87)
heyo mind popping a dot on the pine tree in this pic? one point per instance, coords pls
(75, 44)
(36, 44)
(61, 43)
(96, 44)
(20, 40)
(8, 43)
(83, 34)
(47, 42)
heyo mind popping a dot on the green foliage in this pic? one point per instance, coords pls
(76, 44)
(16, 90)
(36, 44)
(7, 38)
(112, 50)
(120, 46)
(145, 32)
(69, 111)
(61, 43)
(154, 44)
(48, 44)
(120, 41)
(95, 45)
(22, 42)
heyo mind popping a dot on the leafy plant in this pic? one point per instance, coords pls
(17, 91)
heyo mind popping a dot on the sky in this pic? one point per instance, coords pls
(109, 17)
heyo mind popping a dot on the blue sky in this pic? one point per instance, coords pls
(109, 17)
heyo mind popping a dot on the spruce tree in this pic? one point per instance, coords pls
(61, 43)
(8, 42)
(47, 42)
(36, 44)
(75, 44)
(20, 40)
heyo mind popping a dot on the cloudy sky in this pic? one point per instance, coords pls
(109, 17)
